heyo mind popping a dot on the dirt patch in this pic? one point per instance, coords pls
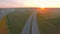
(3, 26)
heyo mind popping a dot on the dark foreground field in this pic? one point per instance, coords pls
(49, 23)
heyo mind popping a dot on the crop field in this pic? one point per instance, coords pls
(49, 24)
(15, 21)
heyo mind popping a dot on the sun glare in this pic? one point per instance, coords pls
(42, 9)
(42, 3)
(31, 3)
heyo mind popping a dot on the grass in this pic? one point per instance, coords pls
(3, 26)
(55, 21)
(16, 21)
(48, 26)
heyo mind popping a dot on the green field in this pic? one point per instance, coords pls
(48, 26)
(16, 21)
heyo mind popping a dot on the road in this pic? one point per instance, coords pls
(26, 29)
(34, 30)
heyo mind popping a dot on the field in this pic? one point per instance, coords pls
(49, 24)
(16, 20)
(3, 26)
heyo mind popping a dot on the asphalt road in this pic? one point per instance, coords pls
(26, 29)
(34, 29)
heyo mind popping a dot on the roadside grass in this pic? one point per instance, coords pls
(56, 23)
(16, 21)
(48, 26)
(3, 26)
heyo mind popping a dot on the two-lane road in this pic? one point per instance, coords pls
(26, 29)
(34, 27)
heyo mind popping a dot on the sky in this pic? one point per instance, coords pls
(30, 3)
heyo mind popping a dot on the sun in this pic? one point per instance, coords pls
(42, 9)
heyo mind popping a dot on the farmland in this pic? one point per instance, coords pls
(49, 23)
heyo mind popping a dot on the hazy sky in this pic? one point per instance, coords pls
(11, 3)
(29, 3)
